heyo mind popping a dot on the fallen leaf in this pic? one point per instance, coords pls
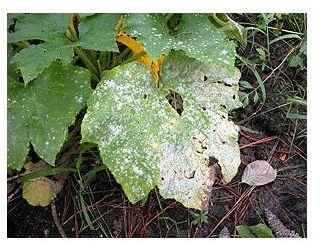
(39, 192)
(258, 173)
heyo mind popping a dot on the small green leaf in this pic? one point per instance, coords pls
(262, 54)
(246, 84)
(296, 61)
(257, 231)
(244, 98)
(244, 231)
(41, 112)
(255, 97)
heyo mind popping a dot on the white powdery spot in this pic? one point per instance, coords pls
(114, 129)
(137, 170)
(79, 99)
(224, 52)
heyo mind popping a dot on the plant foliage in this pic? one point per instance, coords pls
(148, 135)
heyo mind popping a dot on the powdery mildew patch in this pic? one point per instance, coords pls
(146, 143)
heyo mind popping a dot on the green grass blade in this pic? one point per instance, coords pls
(286, 36)
(47, 172)
(87, 218)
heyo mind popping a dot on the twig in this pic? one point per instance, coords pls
(267, 139)
(56, 220)
(245, 194)
(13, 193)
(282, 62)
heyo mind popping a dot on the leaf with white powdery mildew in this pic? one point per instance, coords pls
(196, 36)
(146, 143)
(258, 173)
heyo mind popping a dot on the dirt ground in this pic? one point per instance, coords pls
(267, 136)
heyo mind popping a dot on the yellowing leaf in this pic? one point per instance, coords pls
(137, 48)
(258, 173)
(39, 192)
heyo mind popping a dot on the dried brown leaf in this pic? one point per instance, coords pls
(258, 173)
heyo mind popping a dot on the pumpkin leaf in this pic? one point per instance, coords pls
(97, 32)
(258, 173)
(35, 111)
(197, 37)
(48, 28)
(165, 136)
(31, 65)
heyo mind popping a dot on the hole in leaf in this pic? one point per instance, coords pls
(203, 108)
(175, 100)
(145, 96)
(234, 97)
(205, 78)
(20, 79)
(212, 160)
(227, 85)
(190, 175)
(173, 23)
(36, 41)
(224, 106)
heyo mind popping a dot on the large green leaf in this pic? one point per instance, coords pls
(97, 32)
(41, 112)
(196, 35)
(145, 142)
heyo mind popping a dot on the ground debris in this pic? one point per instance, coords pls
(278, 227)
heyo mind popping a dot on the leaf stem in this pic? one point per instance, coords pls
(219, 21)
(23, 44)
(103, 60)
(119, 58)
(86, 61)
